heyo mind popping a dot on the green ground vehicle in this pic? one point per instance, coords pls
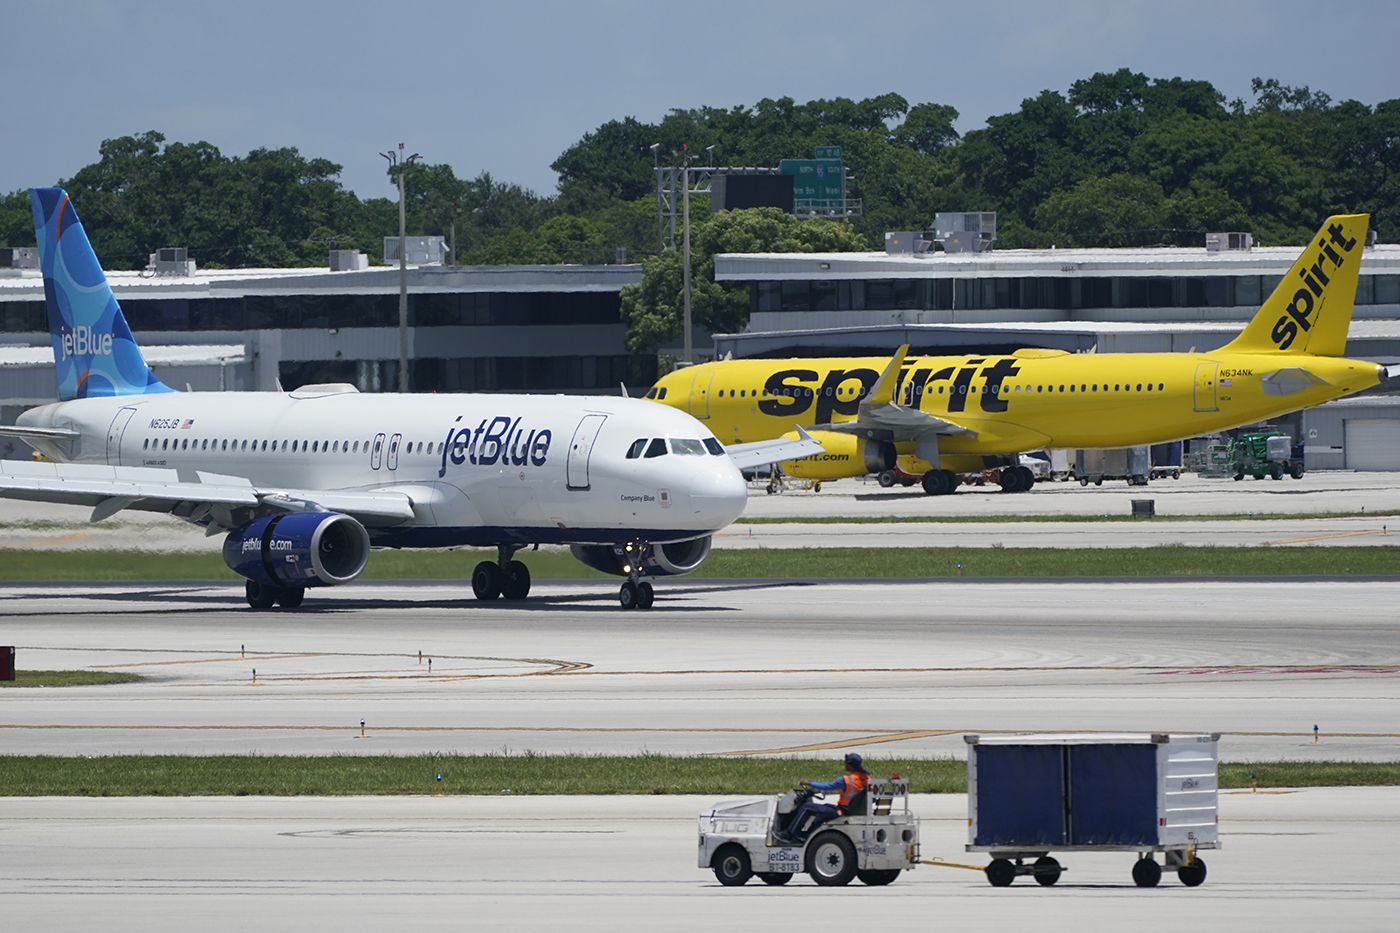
(1265, 453)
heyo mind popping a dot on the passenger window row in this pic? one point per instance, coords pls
(238, 446)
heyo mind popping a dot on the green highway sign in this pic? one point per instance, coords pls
(816, 180)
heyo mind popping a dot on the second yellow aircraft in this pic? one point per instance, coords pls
(940, 416)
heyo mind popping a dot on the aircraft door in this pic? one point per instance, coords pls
(394, 451)
(700, 394)
(376, 452)
(114, 436)
(581, 448)
(1205, 386)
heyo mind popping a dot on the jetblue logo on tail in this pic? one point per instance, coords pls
(82, 341)
(94, 353)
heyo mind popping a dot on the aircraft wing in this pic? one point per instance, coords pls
(905, 423)
(758, 453)
(190, 494)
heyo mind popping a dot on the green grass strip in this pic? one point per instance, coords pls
(68, 678)
(994, 561)
(176, 775)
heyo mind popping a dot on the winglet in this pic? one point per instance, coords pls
(883, 393)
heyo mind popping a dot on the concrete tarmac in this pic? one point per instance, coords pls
(1302, 861)
(803, 668)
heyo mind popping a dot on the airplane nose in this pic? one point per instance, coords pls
(718, 494)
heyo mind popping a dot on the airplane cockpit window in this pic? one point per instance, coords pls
(662, 394)
(651, 393)
(687, 447)
(714, 446)
(635, 451)
(657, 448)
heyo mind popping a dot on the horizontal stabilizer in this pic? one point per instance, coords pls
(1290, 380)
(759, 453)
(48, 434)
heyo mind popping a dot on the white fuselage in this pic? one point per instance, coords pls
(479, 469)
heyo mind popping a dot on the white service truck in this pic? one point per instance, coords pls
(875, 841)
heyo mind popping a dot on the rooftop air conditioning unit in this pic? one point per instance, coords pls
(348, 260)
(1220, 242)
(171, 260)
(422, 250)
(908, 241)
(19, 257)
(965, 232)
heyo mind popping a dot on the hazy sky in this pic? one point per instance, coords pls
(507, 86)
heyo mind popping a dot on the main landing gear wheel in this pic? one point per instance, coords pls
(831, 859)
(515, 582)
(940, 482)
(486, 580)
(1146, 873)
(1192, 875)
(775, 878)
(291, 597)
(876, 877)
(259, 595)
(1047, 870)
(731, 865)
(1017, 479)
(1000, 873)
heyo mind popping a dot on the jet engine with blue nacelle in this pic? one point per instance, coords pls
(305, 483)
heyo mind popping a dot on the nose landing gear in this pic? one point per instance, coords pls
(636, 593)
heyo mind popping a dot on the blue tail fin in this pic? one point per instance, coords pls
(93, 351)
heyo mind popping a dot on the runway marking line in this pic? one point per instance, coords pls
(1344, 534)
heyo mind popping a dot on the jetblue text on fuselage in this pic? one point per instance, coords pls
(495, 440)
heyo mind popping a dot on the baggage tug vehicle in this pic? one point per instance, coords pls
(874, 842)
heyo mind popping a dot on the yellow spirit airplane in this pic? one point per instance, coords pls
(938, 416)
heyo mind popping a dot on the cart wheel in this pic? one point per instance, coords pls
(775, 878)
(887, 479)
(875, 877)
(1047, 870)
(1001, 873)
(831, 859)
(817, 486)
(1193, 874)
(1099, 481)
(1083, 481)
(731, 865)
(1146, 873)
(1238, 477)
(1176, 474)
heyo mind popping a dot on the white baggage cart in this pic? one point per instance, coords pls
(1031, 795)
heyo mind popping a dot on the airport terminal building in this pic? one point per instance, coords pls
(557, 328)
(471, 329)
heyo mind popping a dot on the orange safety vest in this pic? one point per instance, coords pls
(851, 784)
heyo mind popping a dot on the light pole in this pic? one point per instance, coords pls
(656, 173)
(689, 356)
(400, 164)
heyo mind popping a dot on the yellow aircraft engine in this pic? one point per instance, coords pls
(846, 455)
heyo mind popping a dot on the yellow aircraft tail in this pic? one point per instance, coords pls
(1310, 310)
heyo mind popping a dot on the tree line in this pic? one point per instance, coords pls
(1120, 159)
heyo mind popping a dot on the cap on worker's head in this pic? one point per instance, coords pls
(853, 760)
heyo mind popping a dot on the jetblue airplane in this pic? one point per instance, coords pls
(305, 483)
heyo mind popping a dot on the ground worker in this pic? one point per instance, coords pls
(811, 814)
